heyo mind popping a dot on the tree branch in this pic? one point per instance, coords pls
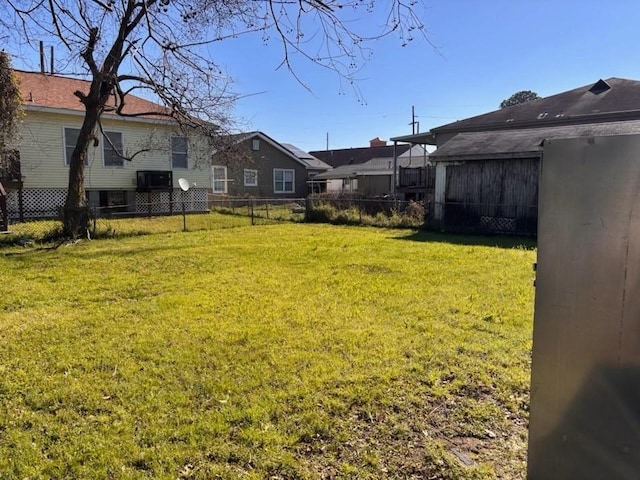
(87, 53)
(54, 20)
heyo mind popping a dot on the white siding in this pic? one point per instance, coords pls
(42, 153)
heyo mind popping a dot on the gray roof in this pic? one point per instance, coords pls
(300, 156)
(374, 167)
(360, 155)
(310, 160)
(617, 97)
(522, 142)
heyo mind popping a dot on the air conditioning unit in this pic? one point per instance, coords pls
(148, 180)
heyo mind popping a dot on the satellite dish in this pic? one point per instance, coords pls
(184, 184)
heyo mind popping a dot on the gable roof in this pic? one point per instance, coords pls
(353, 156)
(606, 100)
(522, 143)
(55, 92)
(241, 137)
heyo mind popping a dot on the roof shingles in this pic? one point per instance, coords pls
(622, 98)
(56, 92)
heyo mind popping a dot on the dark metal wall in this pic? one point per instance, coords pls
(585, 384)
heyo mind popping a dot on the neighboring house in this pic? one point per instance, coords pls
(256, 165)
(487, 167)
(377, 148)
(369, 170)
(148, 183)
(314, 167)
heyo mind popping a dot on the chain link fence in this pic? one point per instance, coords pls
(43, 226)
(230, 212)
(355, 210)
(260, 210)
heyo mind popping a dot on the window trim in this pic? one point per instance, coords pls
(284, 182)
(213, 179)
(104, 144)
(255, 184)
(186, 152)
(67, 159)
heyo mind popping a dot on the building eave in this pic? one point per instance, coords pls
(107, 116)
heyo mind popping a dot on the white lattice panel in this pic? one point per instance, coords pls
(37, 202)
(47, 202)
(498, 224)
(195, 200)
(200, 198)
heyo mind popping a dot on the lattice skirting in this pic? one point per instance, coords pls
(37, 202)
(195, 200)
(498, 224)
(48, 202)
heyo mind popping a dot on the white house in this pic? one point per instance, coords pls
(159, 154)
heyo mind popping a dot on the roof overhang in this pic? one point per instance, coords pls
(487, 156)
(521, 143)
(426, 138)
(104, 116)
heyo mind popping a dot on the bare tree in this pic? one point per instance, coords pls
(158, 46)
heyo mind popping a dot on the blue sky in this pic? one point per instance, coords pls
(486, 51)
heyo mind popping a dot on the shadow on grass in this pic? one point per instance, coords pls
(67, 244)
(526, 243)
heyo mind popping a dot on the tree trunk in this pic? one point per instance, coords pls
(75, 216)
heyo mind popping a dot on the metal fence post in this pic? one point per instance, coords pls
(184, 215)
(253, 221)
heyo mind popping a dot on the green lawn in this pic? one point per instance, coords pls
(267, 352)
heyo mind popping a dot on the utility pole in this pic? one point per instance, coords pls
(413, 120)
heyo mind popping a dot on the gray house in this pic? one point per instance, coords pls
(255, 165)
(487, 166)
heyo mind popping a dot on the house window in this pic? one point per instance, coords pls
(113, 200)
(70, 140)
(255, 144)
(250, 178)
(283, 180)
(219, 183)
(179, 152)
(112, 149)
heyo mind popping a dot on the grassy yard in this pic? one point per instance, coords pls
(270, 352)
